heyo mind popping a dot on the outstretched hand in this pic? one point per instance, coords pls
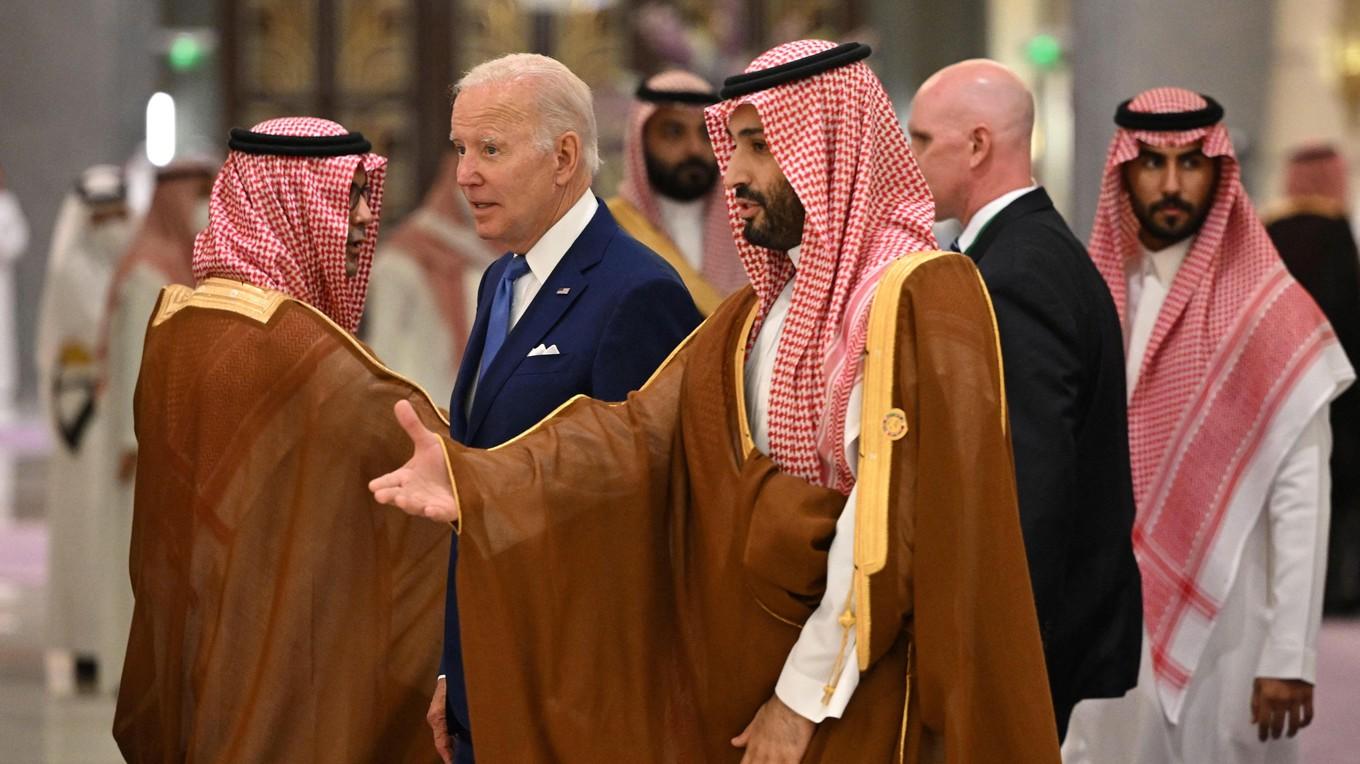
(421, 486)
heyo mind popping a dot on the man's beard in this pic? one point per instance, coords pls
(783, 216)
(684, 181)
(1194, 219)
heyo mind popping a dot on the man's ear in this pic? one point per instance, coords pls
(568, 157)
(980, 140)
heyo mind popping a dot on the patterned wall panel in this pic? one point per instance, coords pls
(279, 51)
(354, 61)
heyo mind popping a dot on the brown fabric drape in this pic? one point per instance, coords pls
(633, 576)
(281, 615)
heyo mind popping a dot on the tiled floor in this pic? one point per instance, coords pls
(37, 728)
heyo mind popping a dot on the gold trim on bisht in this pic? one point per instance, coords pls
(257, 304)
(883, 423)
(173, 298)
(238, 297)
(748, 442)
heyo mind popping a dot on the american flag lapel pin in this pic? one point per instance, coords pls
(564, 290)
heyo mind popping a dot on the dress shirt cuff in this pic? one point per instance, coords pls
(804, 694)
(457, 523)
(1288, 662)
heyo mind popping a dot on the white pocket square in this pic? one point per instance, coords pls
(540, 350)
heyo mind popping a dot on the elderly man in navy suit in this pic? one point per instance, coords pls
(574, 307)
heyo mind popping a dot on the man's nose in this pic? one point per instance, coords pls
(467, 171)
(736, 175)
(1171, 180)
(697, 145)
(363, 214)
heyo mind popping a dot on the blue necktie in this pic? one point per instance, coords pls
(498, 323)
(954, 246)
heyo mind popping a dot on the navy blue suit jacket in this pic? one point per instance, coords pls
(614, 309)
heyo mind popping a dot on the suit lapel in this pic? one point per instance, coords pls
(1035, 201)
(564, 286)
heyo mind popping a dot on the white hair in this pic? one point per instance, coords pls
(563, 99)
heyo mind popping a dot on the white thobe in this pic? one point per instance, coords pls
(684, 224)
(811, 665)
(1268, 624)
(403, 322)
(87, 566)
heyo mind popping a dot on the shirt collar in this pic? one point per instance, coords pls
(1164, 263)
(794, 254)
(552, 246)
(984, 216)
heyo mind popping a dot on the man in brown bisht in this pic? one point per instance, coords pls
(670, 199)
(280, 615)
(799, 541)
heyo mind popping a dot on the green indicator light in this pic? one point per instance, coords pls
(1044, 51)
(185, 53)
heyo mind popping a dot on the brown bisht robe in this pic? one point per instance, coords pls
(281, 615)
(633, 576)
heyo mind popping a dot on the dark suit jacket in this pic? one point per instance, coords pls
(1063, 352)
(614, 309)
(1320, 253)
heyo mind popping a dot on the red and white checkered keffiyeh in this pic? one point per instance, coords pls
(1239, 360)
(721, 267)
(837, 140)
(281, 222)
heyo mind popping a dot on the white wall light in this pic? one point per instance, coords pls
(160, 129)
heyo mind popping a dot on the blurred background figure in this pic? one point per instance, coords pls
(161, 253)
(13, 244)
(669, 198)
(87, 575)
(1311, 228)
(423, 293)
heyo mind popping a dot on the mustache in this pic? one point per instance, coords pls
(695, 163)
(1172, 202)
(749, 194)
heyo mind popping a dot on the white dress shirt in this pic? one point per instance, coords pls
(1149, 281)
(812, 662)
(549, 250)
(684, 224)
(543, 258)
(1297, 511)
(984, 216)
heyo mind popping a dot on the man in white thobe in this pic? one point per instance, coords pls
(1230, 369)
(13, 242)
(93, 228)
(670, 198)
